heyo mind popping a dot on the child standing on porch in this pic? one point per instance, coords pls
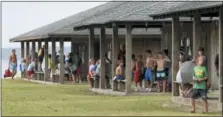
(161, 73)
(90, 72)
(148, 74)
(199, 87)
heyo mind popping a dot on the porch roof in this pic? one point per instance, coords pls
(187, 9)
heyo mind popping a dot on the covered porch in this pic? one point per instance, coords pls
(207, 35)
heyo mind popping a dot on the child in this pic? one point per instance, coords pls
(199, 86)
(49, 63)
(161, 73)
(137, 76)
(133, 66)
(138, 73)
(119, 72)
(90, 72)
(148, 74)
(23, 65)
(31, 69)
(73, 69)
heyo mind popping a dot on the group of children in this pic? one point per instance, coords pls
(93, 71)
(28, 66)
(154, 68)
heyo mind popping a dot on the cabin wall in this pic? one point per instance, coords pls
(140, 45)
(213, 45)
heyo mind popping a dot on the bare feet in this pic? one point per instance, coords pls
(192, 111)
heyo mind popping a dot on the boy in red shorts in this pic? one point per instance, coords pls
(31, 69)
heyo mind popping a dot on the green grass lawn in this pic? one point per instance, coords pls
(23, 98)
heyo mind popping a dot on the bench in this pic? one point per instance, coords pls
(40, 76)
(55, 78)
(95, 81)
(119, 85)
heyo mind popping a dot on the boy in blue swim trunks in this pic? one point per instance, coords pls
(119, 72)
(148, 78)
(161, 72)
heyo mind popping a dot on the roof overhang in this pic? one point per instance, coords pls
(205, 12)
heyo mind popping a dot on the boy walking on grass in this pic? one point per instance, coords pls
(199, 86)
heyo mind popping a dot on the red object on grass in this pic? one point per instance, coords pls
(7, 73)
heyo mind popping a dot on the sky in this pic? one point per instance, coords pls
(21, 17)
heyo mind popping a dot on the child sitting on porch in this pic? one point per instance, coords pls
(31, 69)
(161, 73)
(119, 72)
(199, 86)
(90, 72)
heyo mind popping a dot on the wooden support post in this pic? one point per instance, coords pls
(115, 48)
(162, 39)
(175, 48)
(102, 58)
(46, 71)
(27, 49)
(53, 56)
(91, 43)
(33, 49)
(61, 79)
(39, 45)
(128, 70)
(72, 50)
(196, 33)
(22, 56)
(22, 49)
(86, 59)
(220, 51)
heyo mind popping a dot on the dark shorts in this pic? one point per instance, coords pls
(161, 75)
(40, 59)
(199, 93)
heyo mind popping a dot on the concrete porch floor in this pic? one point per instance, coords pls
(118, 93)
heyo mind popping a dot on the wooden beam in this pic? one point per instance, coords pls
(27, 49)
(128, 62)
(22, 49)
(74, 50)
(46, 71)
(91, 43)
(61, 78)
(115, 48)
(22, 56)
(196, 33)
(33, 49)
(102, 58)
(220, 51)
(175, 49)
(39, 46)
(53, 56)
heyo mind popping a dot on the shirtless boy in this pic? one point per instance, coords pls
(138, 73)
(161, 73)
(119, 72)
(149, 69)
(13, 63)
